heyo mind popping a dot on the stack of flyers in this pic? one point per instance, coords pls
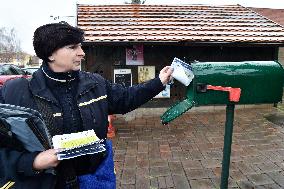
(77, 144)
(182, 71)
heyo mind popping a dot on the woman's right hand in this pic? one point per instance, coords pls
(46, 159)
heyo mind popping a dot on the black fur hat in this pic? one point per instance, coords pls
(51, 37)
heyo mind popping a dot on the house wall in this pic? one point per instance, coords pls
(281, 55)
(104, 59)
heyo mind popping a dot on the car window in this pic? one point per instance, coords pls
(10, 70)
(30, 70)
(16, 70)
(4, 70)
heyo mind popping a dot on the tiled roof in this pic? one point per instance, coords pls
(276, 15)
(175, 23)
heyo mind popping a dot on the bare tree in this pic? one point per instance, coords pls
(10, 46)
(135, 2)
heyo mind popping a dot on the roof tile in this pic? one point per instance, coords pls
(175, 23)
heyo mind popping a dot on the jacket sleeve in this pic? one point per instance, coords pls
(125, 99)
(15, 164)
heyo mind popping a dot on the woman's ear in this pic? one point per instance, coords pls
(51, 59)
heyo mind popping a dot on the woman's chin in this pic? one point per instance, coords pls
(76, 67)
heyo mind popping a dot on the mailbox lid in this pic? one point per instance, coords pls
(260, 81)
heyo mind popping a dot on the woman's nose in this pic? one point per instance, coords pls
(81, 52)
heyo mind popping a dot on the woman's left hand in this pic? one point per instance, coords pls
(46, 159)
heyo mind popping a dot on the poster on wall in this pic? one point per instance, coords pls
(145, 73)
(166, 93)
(135, 55)
(123, 77)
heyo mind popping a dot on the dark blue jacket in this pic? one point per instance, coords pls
(96, 99)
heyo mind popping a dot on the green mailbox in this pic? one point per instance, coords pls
(230, 83)
(215, 82)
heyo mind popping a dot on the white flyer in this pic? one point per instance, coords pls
(77, 144)
(182, 71)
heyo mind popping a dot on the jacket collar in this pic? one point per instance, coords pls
(39, 88)
(58, 77)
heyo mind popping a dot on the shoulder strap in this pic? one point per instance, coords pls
(6, 137)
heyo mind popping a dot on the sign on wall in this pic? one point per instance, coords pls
(135, 55)
(166, 93)
(145, 73)
(123, 77)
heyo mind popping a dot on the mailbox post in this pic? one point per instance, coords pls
(227, 145)
(230, 83)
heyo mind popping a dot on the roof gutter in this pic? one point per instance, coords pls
(181, 43)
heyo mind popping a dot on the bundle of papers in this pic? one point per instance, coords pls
(77, 144)
(182, 71)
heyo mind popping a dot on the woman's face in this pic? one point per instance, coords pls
(67, 58)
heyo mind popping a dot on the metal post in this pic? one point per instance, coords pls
(227, 145)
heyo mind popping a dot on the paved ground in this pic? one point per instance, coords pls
(187, 153)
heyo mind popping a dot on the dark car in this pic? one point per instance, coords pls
(31, 70)
(10, 71)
